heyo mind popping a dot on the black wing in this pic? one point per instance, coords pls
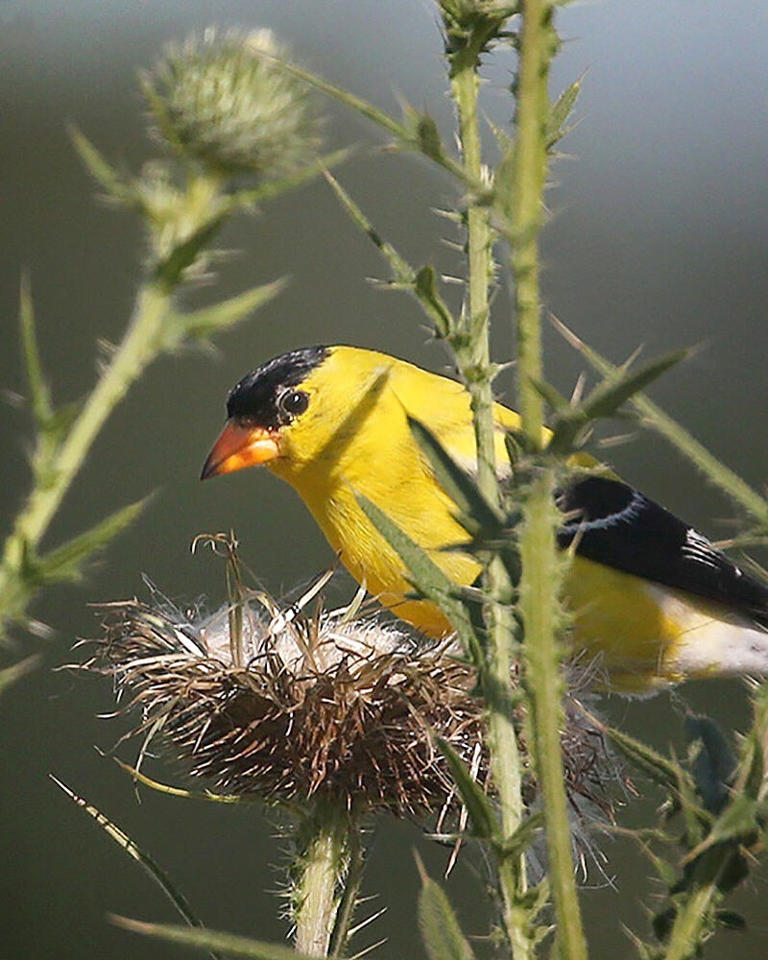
(616, 525)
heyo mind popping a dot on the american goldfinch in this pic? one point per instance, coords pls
(652, 599)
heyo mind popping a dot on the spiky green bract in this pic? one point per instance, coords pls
(716, 472)
(219, 99)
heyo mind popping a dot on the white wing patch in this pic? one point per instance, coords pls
(699, 549)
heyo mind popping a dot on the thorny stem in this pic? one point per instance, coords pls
(322, 858)
(540, 581)
(473, 358)
(343, 927)
(139, 347)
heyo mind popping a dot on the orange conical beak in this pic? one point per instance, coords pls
(238, 447)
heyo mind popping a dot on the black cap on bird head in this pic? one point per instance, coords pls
(258, 406)
(255, 398)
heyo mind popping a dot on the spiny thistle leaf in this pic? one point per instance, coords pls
(476, 514)
(552, 396)
(203, 323)
(425, 574)
(116, 189)
(425, 134)
(65, 562)
(517, 843)
(422, 283)
(736, 822)
(276, 187)
(558, 115)
(723, 477)
(434, 306)
(168, 271)
(606, 400)
(414, 133)
(40, 397)
(402, 271)
(439, 926)
(662, 771)
(478, 806)
(225, 943)
(133, 850)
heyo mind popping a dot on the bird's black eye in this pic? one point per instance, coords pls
(293, 402)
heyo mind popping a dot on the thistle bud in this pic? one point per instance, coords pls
(221, 99)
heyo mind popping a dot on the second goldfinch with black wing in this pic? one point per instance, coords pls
(651, 598)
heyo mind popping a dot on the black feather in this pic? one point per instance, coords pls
(617, 526)
(254, 398)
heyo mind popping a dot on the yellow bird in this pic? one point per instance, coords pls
(653, 600)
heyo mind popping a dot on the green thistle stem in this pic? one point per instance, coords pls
(472, 351)
(322, 860)
(540, 581)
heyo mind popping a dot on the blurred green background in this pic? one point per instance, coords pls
(658, 237)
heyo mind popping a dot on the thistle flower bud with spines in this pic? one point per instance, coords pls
(220, 99)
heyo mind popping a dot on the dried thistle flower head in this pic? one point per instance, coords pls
(264, 700)
(298, 706)
(220, 99)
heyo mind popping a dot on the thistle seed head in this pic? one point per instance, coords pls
(263, 700)
(317, 705)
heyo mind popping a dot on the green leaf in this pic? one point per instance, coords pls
(114, 185)
(614, 392)
(226, 943)
(428, 137)
(476, 514)
(559, 112)
(402, 271)
(479, 808)
(203, 323)
(65, 562)
(433, 304)
(425, 575)
(408, 135)
(439, 927)
(167, 272)
(606, 399)
(662, 771)
(551, 395)
(518, 842)
(132, 849)
(422, 284)
(40, 397)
